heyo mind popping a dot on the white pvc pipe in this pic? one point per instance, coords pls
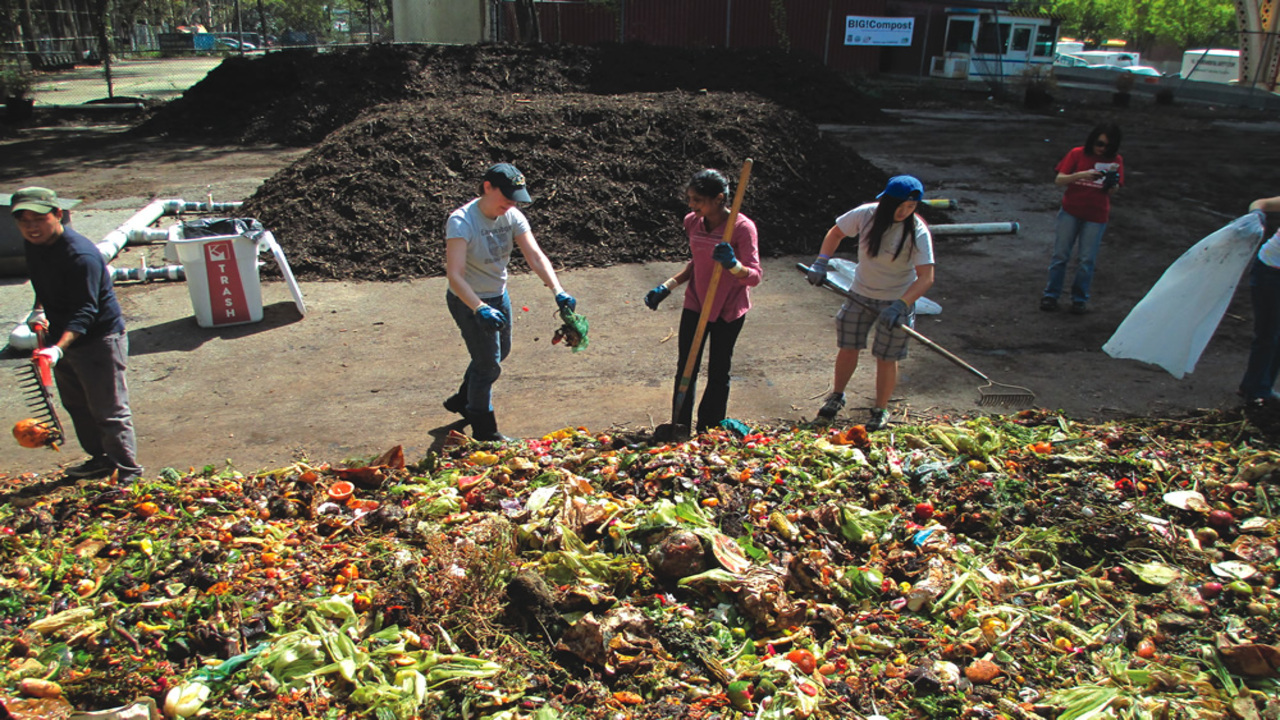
(147, 274)
(114, 242)
(137, 230)
(993, 228)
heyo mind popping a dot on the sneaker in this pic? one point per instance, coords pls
(1079, 308)
(1048, 304)
(879, 418)
(832, 406)
(98, 467)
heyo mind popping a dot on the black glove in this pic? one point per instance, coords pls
(1110, 179)
(656, 296)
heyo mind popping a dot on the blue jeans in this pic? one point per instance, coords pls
(1069, 230)
(488, 348)
(1264, 355)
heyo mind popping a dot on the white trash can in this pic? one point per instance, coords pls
(222, 277)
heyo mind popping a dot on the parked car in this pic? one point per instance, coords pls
(234, 44)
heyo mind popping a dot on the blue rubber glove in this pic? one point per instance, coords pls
(723, 254)
(564, 300)
(817, 271)
(656, 296)
(894, 315)
(491, 316)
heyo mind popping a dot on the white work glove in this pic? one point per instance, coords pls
(37, 321)
(51, 354)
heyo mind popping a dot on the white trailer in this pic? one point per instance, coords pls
(1218, 66)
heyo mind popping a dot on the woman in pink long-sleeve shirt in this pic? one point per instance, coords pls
(707, 194)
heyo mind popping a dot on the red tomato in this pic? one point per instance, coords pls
(804, 660)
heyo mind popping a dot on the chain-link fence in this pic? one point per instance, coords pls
(68, 52)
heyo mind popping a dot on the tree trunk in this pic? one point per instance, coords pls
(102, 21)
(527, 22)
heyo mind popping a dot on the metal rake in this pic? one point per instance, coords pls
(35, 382)
(990, 395)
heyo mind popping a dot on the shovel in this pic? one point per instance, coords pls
(991, 394)
(675, 429)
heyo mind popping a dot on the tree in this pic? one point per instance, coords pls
(1194, 23)
(1185, 23)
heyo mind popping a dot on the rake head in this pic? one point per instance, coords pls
(995, 394)
(35, 391)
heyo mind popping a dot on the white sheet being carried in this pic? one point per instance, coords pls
(1171, 326)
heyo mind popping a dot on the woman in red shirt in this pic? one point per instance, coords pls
(707, 195)
(1091, 175)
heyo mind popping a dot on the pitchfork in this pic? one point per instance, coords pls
(989, 395)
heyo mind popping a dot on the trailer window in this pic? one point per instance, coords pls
(1045, 37)
(960, 36)
(993, 38)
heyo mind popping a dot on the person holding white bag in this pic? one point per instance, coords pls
(1258, 383)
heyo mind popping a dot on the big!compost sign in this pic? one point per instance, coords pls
(893, 32)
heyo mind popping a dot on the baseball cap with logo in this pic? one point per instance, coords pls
(35, 199)
(903, 187)
(509, 180)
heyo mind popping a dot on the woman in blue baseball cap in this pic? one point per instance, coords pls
(895, 268)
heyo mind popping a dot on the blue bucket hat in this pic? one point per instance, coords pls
(902, 187)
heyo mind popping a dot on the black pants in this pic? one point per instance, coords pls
(715, 398)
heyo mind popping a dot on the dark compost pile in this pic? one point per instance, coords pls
(297, 97)
(607, 136)
(607, 176)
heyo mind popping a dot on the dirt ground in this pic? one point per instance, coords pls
(368, 366)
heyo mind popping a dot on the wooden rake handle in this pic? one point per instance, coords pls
(709, 297)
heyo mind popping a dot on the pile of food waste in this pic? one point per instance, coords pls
(1020, 567)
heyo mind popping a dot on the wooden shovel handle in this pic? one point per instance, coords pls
(709, 297)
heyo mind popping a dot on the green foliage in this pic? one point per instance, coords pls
(1185, 23)
(14, 83)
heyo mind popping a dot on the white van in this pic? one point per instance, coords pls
(1116, 58)
(1217, 66)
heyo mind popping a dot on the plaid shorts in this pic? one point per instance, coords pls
(854, 321)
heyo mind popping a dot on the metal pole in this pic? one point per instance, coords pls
(728, 22)
(924, 45)
(826, 40)
(239, 29)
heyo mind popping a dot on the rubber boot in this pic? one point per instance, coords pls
(484, 427)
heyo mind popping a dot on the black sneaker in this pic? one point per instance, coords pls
(879, 418)
(98, 467)
(1048, 304)
(1079, 308)
(832, 406)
